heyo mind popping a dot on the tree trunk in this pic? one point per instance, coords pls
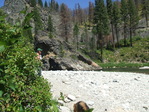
(98, 42)
(130, 37)
(116, 32)
(77, 42)
(124, 34)
(101, 47)
(146, 17)
(113, 36)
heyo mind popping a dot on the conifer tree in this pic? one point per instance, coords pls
(116, 19)
(50, 27)
(65, 21)
(86, 37)
(45, 4)
(76, 33)
(37, 20)
(101, 23)
(52, 5)
(124, 18)
(33, 3)
(40, 3)
(145, 10)
(57, 6)
(79, 12)
(91, 12)
(133, 18)
(110, 14)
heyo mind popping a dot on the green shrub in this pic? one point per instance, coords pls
(21, 89)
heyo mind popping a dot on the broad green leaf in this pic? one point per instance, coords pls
(1, 93)
(2, 82)
(11, 30)
(2, 18)
(2, 48)
(90, 110)
(12, 86)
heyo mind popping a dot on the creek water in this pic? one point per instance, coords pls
(134, 70)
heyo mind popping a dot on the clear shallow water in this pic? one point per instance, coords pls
(134, 70)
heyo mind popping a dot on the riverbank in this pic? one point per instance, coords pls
(103, 91)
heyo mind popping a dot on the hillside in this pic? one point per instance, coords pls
(70, 39)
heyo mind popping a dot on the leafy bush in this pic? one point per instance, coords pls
(21, 89)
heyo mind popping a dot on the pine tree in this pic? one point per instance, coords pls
(116, 19)
(91, 12)
(37, 20)
(33, 3)
(124, 18)
(86, 37)
(133, 18)
(50, 27)
(40, 3)
(56, 7)
(101, 22)
(45, 4)
(145, 10)
(65, 21)
(137, 3)
(79, 12)
(52, 5)
(110, 14)
(76, 33)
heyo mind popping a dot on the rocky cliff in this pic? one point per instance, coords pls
(57, 54)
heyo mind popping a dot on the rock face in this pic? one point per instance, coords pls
(59, 55)
(12, 8)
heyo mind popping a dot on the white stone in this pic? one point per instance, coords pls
(64, 109)
(71, 97)
(66, 100)
(145, 67)
(90, 103)
(61, 102)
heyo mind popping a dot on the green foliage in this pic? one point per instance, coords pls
(76, 33)
(62, 96)
(40, 3)
(26, 25)
(45, 4)
(76, 30)
(21, 89)
(116, 14)
(37, 20)
(33, 3)
(101, 23)
(124, 10)
(137, 54)
(90, 110)
(101, 17)
(133, 14)
(50, 25)
(145, 7)
(145, 10)
(109, 8)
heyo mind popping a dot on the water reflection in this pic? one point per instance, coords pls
(134, 70)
